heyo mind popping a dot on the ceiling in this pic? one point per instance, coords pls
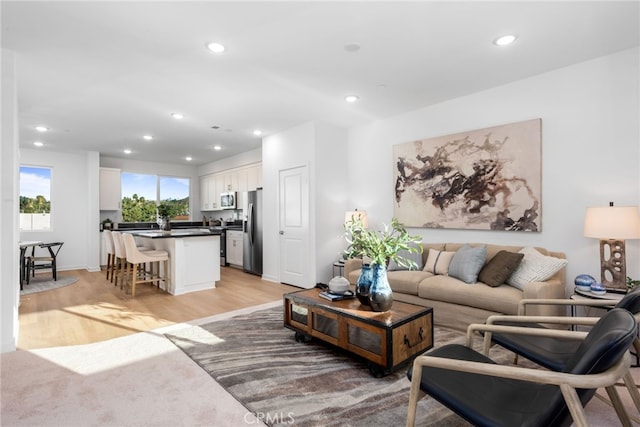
(100, 75)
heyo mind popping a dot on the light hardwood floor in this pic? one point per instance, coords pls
(93, 309)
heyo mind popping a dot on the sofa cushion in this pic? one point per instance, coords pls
(407, 281)
(499, 268)
(438, 261)
(535, 267)
(413, 256)
(467, 263)
(501, 299)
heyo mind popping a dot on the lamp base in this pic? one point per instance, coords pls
(613, 270)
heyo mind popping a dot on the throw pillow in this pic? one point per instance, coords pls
(438, 261)
(534, 267)
(499, 268)
(467, 263)
(415, 257)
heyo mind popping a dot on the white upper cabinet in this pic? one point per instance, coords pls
(110, 194)
(239, 180)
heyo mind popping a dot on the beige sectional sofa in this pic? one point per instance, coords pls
(455, 303)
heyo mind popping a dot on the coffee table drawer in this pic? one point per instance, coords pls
(412, 338)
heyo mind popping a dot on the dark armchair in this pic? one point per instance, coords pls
(487, 394)
(45, 261)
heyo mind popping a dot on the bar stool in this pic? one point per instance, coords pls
(120, 260)
(135, 257)
(120, 257)
(111, 253)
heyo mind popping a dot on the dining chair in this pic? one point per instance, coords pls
(489, 394)
(43, 262)
(136, 258)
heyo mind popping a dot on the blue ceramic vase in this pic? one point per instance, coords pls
(380, 294)
(363, 284)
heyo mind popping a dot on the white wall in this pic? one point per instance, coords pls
(74, 206)
(590, 153)
(239, 160)
(9, 207)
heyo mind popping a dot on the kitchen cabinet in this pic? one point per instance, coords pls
(234, 247)
(110, 194)
(239, 180)
(204, 193)
(254, 177)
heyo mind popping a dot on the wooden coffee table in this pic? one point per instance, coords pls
(385, 340)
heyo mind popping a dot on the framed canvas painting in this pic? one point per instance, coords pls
(485, 179)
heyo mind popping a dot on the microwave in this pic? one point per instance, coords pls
(228, 200)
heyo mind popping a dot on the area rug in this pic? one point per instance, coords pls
(285, 382)
(45, 283)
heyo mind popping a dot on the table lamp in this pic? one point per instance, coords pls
(612, 225)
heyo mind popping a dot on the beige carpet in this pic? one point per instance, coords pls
(138, 380)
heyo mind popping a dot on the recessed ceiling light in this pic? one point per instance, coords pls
(38, 144)
(505, 40)
(177, 116)
(215, 47)
(351, 98)
(148, 137)
(257, 132)
(188, 158)
(352, 47)
(42, 128)
(217, 147)
(126, 151)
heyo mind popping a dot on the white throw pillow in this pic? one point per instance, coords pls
(534, 267)
(438, 261)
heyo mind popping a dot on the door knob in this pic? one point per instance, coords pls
(281, 232)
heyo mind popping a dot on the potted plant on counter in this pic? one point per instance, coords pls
(165, 211)
(380, 247)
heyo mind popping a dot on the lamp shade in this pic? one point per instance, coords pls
(362, 215)
(612, 222)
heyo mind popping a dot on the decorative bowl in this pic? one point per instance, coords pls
(339, 285)
(584, 282)
(598, 289)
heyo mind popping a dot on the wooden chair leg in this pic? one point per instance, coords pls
(633, 389)
(618, 406)
(134, 276)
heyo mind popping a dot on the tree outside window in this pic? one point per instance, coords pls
(142, 193)
(35, 198)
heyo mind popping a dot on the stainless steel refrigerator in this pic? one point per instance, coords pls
(252, 236)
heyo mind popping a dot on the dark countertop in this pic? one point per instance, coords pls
(192, 232)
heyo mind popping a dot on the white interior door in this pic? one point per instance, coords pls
(294, 227)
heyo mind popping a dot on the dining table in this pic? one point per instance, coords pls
(24, 246)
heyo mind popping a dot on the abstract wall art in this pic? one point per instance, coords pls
(485, 179)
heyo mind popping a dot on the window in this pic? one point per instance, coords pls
(35, 198)
(141, 193)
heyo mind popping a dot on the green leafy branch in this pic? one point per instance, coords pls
(381, 246)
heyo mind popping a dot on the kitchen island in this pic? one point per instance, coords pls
(194, 257)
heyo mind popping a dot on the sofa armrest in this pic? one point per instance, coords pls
(350, 265)
(551, 289)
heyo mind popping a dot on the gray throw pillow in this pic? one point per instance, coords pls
(467, 263)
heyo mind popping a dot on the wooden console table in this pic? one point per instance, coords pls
(385, 340)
